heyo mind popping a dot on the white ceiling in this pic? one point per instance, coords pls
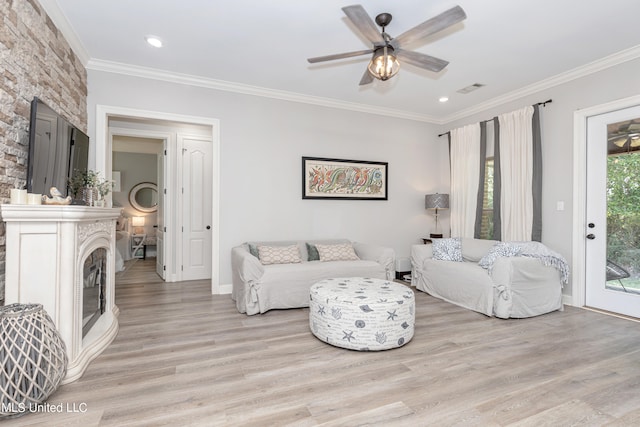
(254, 46)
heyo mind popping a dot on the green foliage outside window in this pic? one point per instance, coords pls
(623, 212)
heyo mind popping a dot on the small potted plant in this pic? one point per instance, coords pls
(89, 187)
(104, 188)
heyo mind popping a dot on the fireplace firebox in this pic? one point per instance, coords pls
(94, 278)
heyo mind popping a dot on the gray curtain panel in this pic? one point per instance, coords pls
(536, 232)
(497, 181)
(483, 160)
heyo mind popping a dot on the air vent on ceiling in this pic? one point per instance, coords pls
(470, 88)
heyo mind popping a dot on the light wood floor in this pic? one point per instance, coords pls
(183, 357)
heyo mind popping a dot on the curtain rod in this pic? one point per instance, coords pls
(544, 104)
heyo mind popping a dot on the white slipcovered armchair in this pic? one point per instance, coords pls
(519, 279)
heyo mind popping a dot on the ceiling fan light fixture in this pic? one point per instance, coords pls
(384, 63)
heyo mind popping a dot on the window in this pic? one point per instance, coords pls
(486, 226)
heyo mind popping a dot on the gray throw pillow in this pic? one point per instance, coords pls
(312, 250)
(253, 250)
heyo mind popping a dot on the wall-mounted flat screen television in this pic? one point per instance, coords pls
(56, 150)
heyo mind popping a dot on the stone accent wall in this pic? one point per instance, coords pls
(35, 60)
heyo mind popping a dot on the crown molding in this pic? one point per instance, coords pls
(61, 22)
(54, 12)
(188, 79)
(568, 76)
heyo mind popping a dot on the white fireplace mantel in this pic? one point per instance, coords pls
(46, 248)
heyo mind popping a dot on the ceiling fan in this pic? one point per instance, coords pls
(387, 50)
(628, 133)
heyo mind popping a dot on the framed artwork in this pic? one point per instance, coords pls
(343, 179)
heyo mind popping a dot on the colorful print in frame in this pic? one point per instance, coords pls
(343, 179)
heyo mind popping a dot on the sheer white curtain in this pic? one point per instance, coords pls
(465, 169)
(516, 168)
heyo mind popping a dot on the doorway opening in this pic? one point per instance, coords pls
(173, 130)
(136, 171)
(606, 237)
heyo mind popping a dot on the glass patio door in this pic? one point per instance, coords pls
(613, 212)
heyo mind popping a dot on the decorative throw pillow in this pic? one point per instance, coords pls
(279, 254)
(253, 250)
(447, 250)
(312, 250)
(341, 252)
(500, 249)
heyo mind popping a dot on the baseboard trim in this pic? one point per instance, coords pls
(225, 289)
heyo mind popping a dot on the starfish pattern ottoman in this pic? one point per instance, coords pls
(362, 314)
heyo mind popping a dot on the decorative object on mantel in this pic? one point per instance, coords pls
(34, 199)
(33, 358)
(436, 201)
(56, 198)
(18, 196)
(343, 179)
(90, 187)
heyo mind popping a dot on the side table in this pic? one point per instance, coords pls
(138, 247)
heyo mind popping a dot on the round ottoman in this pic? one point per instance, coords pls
(363, 314)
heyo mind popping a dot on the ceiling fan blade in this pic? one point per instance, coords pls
(339, 56)
(421, 60)
(620, 142)
(366, 78)
(432, 26)
(363, 23)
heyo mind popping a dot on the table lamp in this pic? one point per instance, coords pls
(436, 201)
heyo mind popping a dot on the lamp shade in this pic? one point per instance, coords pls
(436, 201)
(137, 221)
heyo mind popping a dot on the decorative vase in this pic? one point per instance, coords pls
(33, 358)
(89, 195)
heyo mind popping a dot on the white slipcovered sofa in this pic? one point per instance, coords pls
(502, 279)
(258, 288)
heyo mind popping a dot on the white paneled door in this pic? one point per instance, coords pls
(613, 213)
(196, 207)
(160, 267)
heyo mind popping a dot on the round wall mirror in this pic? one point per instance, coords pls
(144, 197)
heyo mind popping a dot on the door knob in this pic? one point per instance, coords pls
(591, 236)
(208, 227)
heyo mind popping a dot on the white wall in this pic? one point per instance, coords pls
(135, 168)
(556, 121)
(262, 141)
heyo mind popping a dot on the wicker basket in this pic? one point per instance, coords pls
(32, 355)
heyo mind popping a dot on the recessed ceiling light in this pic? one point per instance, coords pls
(443, 99)
(154, 41)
